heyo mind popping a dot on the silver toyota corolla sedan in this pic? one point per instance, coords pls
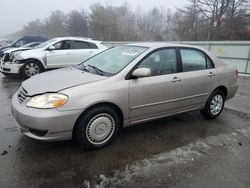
(122, 86)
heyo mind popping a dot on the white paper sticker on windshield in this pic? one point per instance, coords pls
(129, 53)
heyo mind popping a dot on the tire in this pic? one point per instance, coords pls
(97, 128)
(30, 68)
(214, 105)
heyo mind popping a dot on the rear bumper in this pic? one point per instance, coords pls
(44, 124)
(7, 67)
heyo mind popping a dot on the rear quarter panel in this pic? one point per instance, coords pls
(226, 76)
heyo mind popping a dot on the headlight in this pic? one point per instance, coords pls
(49, 100)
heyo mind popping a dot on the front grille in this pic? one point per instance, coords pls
(22, 95)
(6, 70)
(6, 57)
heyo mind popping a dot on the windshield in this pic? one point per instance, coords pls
(45, 43)
(12, 44)
(111, 61)
(32, 44)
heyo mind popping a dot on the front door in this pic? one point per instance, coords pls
(61, 56)
(156, 95)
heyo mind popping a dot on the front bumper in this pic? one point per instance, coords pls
(44, 124)
(10, 68)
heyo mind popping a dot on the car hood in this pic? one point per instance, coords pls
(54, 81)
(5, 48)
(15, 49)
(29, 53)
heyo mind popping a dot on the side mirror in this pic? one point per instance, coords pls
(142, 72)
(51, 48)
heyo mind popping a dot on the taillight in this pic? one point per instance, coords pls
(237, 72)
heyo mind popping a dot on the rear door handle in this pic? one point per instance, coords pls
(175, 79)
(211, 74)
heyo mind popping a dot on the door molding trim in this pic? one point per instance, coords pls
(162, 116)
(168, 101)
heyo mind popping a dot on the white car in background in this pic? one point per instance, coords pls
(52, 54)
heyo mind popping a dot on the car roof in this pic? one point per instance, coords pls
(78, 38)
(160, 45)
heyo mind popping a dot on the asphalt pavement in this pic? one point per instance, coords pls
(180, 151)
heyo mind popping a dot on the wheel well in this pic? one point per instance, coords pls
(223, 89)
(111, 105)
(36, 60)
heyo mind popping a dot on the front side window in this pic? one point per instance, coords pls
(112, 61)
(193, 60)
(161, 62)
(58, 45)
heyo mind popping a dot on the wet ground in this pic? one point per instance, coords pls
(180, 151)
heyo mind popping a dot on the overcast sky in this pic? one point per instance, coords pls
(16, 13)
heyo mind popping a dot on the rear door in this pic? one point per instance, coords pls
(197, 78)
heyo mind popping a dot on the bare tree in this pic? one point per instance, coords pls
(189, 20)
(76, 24)
(237, 20)
(36, 27)
(198, 20)
(55, 24)
(213, 10)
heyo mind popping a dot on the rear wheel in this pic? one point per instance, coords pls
(214, 105)
(30, 69)
(97, 128)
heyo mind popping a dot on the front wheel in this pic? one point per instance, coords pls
(214, 105)
(30, 69)
(97, 128)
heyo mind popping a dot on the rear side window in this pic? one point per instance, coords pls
(92, 46)
(193, 60)
(82, 45)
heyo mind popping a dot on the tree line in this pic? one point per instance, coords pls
(198, 20)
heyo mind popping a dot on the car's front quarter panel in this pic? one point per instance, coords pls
(113, 90)
(58, 124)
(37, 54)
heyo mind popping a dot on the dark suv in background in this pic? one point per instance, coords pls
(22, 41)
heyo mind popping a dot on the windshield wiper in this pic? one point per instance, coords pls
(82, 67)
(97, 69)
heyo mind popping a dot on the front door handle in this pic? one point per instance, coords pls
(175, 79)
(211, 74)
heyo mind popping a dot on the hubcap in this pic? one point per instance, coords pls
(31, 69)
(216, 104)
(100, 128)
